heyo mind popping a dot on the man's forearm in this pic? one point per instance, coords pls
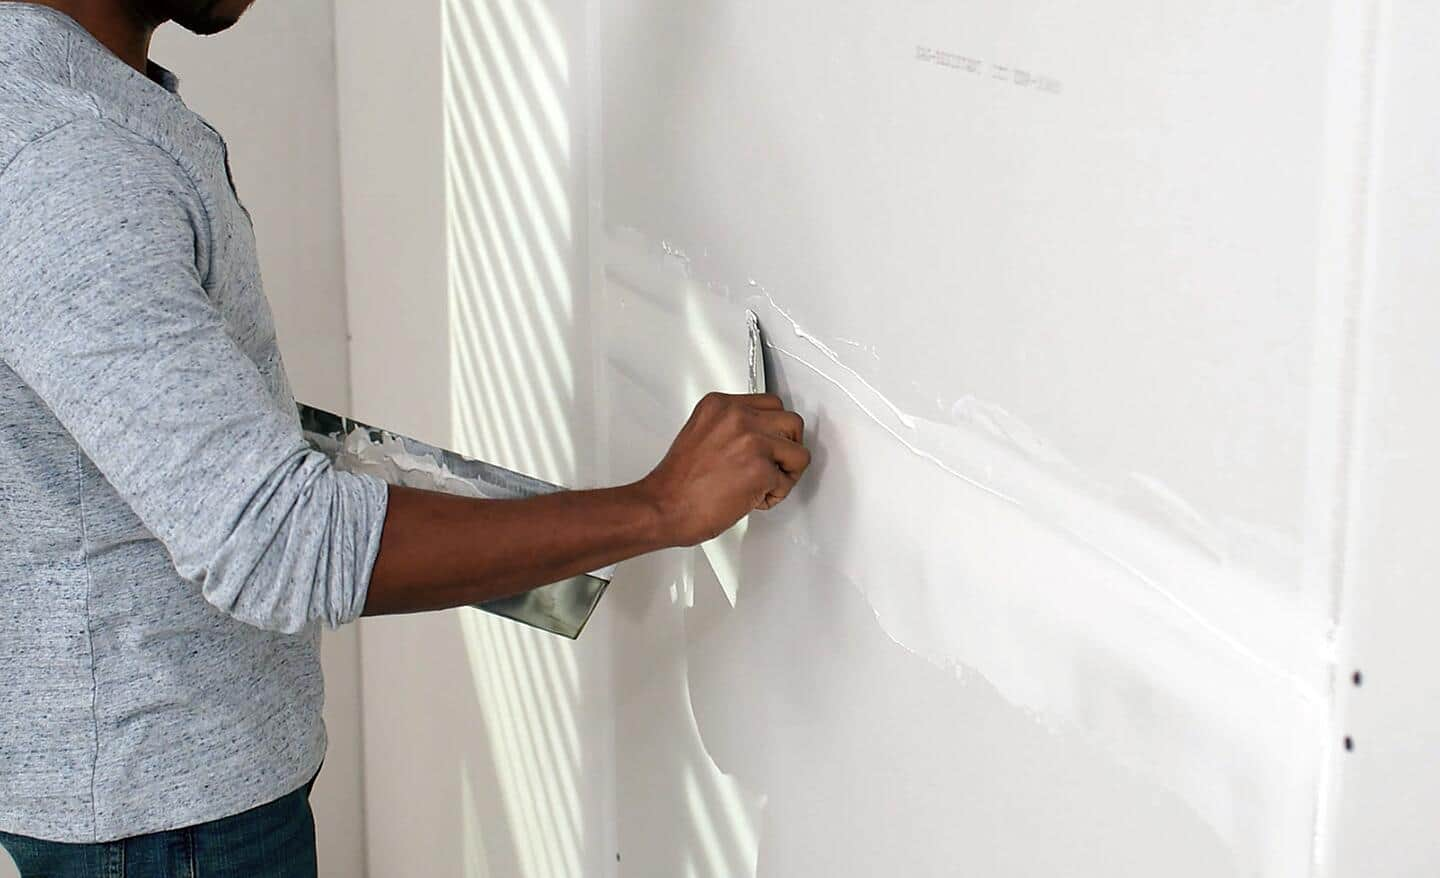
(438, 551)
(735, 454)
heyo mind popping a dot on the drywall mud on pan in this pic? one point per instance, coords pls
(1054, 600)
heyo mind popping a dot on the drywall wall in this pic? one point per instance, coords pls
(268, 85)
(487, 748)
(1074, 303)
(1047, 281)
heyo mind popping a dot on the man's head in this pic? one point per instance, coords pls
(198, 16)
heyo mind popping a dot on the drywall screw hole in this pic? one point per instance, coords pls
(1358, 678)
(1349, 744)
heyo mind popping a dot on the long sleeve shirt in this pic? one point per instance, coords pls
(170, 548)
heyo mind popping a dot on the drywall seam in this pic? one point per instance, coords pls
(1341, 285)
(1235, 674)
(1357, 105)
(342, 110)
(593, 142)
(1112, 535)
(356, 657)
(834, 358)
(1190, 612)
(1028, 641)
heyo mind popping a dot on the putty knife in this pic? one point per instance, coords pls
(561, 608)
(723, 552)
(757, 353)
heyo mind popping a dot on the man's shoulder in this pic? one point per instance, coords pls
(46, 142)
(33, 108)
(84, 183)
(46, 123)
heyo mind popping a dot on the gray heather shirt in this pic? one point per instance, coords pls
(169, 547)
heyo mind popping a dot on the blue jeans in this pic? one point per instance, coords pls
(272, 841)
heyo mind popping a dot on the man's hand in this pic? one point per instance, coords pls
(736, 454)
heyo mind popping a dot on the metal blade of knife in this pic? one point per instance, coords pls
(561, 608)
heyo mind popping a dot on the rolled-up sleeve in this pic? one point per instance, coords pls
(104, 314)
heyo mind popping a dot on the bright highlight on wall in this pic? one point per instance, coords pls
(510, 242)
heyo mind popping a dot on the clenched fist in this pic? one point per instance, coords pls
(735, 454)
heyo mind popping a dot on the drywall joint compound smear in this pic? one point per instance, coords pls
(978, 547)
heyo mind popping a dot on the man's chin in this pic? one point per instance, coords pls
(205, 26)
(206, 17)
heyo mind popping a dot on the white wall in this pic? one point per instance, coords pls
(268, 85)
(1119, 411)
(487, 750)
(1042, 277)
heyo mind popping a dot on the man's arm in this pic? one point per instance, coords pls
(104, 315)
(736, 454)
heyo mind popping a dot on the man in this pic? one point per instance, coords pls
(169, 546)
